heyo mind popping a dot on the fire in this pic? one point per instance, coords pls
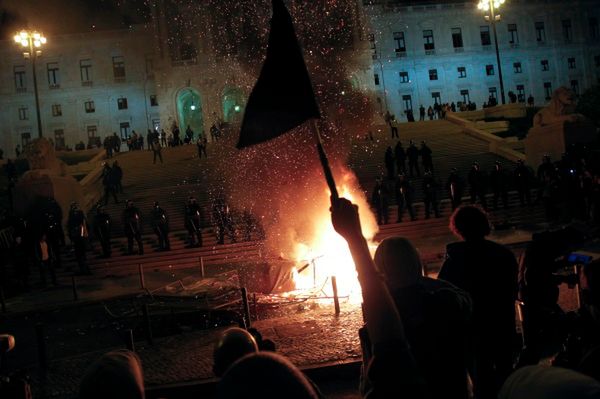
(327, 254)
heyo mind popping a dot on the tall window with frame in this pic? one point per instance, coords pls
(59, 139)
(400, 43)
(404, 77)
(521, 93)
(25, 139)
(118, 67)
(548, 90)
(545, 65)
(124, 130)
(85, 71)
(489, 70)
(433, 74)
(376, 79)
(593, 27)
(575, 86)
(518, 68)
(437, 97)
(92, 133)
(20, 82)
(56, 110)
(540, 32)
(153, 100)
(462, 72)
(149, 66)
(513, 34)
(90, 107)
(457, 38)
(466, 98)
(493, 92)
(486, 38)
(567, 30)
(428, 42)
(23, 113)
(52, 70)
(407, 100)
(571, 62)
(122, 103)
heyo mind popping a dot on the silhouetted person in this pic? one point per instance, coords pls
(400, 157)
(44, 256)
(488, 272)
(412, 153)
(109, 181)
(102, 229)
(78, 234)
(394, 127)
(477, 185)
(193, 222)
(116, 375)
(455, 187)
(160, 225)
(499, 183)
(118, 176)
(55, 235)
(522, 177)
(379, 200)
(156, 149)
(389, 162)
(426, 158)
(404, 197)
(233, 344)
(430, 197)
(201, 144)
(421, 113)
(132, 224)
(222, 219)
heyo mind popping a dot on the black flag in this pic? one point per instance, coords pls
(283, 96)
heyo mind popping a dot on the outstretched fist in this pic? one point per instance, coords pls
(344, 216)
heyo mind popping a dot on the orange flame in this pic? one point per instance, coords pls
(327, 253)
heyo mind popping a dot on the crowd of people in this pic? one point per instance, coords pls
(450, 337)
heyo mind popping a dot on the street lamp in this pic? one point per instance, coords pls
(32, 42)
(492, 6)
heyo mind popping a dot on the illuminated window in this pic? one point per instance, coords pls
(462, 72)
(56, 110)
(52, 70)
(92, 131)
(118, 67)
(513, 34)
(400, 42)
(428, 40)
(122, 103)
(540, 32)
(404, 77)
(433, 75)
(407, 100)
(571, 62)
(437, 97)
(124, 130)
(545, 65)
(486, 38)
(89, 107)
(85, 70)
(493, 92)
(19, 71)
(567, 30)
(489, 70)
(457, 39)
(23, 114)
(517, 67)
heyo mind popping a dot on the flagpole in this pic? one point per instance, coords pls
(325, 162)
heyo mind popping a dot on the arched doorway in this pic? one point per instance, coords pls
(189, 111)
(234, 103)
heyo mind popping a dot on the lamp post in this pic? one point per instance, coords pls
(32, 41)
(492, 6)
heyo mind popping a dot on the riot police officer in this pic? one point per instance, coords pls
(499, 183)
(454, 185)
(132, 224)
(55, 235)
(222, 219)
(102, 226)
(78, 234)
(477, 185)
(160, 224)
(404, 197)
(430, 194)
(193, 221)
(523, 177)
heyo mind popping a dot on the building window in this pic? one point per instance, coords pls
(124, 130)
(25, 139)
(428, 40)
(92, 131)
(433, 74)
(513, 34)
(85, 70)
(59, 139)
(575, 87)
(404, 77)
(23, 114)
(493, 93)
(489, 70)
(465, 96)
(437, 97)
(89, 107)
(407, 100)
(518, 68)
(52, 69)
(545, 65)
(457, 39)
(571, 62)
(376, 79)
(19, 71)
(56, 110)
(118, 67)
(594, 31)
(462, 72)
(540, 32)
(400, 42)
(122, 103)
(548, 90)
(567, 30)
(486, 38)
(521, 93)
(153, 100)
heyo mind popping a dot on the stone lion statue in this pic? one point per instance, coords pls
(42, 157)
(561, 108)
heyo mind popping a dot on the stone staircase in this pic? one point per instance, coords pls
(183, 174)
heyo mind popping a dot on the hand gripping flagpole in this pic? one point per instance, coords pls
(325, 163)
